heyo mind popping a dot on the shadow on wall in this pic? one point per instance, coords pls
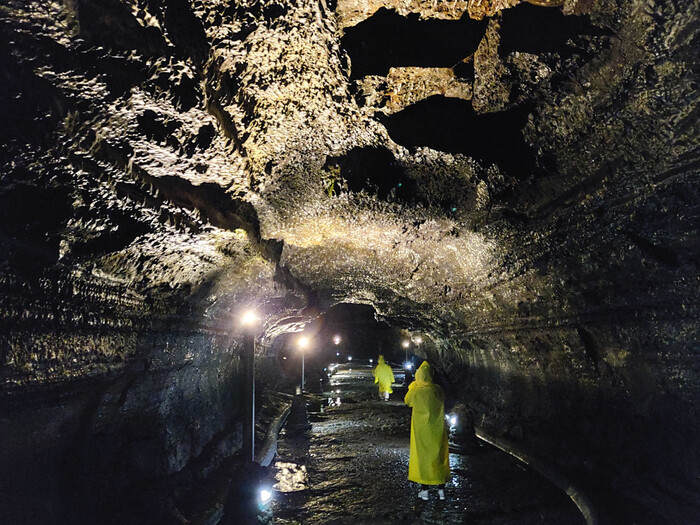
(388, 39)
(452, 125)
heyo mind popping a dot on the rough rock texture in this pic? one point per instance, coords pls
(522, 189)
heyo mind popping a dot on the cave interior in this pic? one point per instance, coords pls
(513, 182)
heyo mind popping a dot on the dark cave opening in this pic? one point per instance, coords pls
(373, 170)
(532, 29)
(464, 69)
(452, 125)
(388, 39)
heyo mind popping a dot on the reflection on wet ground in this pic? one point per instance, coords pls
(290, 477)
(351, 467)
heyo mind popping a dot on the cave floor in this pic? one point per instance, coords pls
(351, 467)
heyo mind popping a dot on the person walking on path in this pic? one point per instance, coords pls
(385, 377)
(428, 462)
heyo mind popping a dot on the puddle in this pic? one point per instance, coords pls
(290, 477)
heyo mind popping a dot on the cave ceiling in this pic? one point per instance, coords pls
(466, 168)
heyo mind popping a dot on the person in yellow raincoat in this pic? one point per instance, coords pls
(385, 377)
(428, 462)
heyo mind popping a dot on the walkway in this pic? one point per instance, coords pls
(351, 467)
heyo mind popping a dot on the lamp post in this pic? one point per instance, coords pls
(405, 345)
(336, 342)
(249, 321)
(302, 343)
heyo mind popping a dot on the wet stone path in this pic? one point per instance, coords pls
(351, 467)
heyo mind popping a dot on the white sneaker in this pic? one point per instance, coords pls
(441, 494)
(423, 494)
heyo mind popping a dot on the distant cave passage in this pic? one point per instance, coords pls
(452, 125)
(388, 39)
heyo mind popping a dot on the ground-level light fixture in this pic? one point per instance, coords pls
(349, 358)
(408, 365)
(452, 420)
(371, 361)
(265, 495)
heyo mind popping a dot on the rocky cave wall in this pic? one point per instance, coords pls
(518, 182)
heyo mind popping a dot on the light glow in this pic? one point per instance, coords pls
(303, 342)
(336, 339)
(250, 318)
(405, 344)
(381, 243)
(265, 496)
(408, 365)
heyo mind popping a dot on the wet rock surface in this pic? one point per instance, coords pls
(352, 465)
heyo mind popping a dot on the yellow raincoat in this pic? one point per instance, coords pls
(429, 462)
(383, 375)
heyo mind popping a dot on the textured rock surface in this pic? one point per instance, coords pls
(524, 192)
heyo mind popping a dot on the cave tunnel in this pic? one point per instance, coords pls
(207, 241)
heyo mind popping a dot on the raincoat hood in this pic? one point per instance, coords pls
(423, 375)
(381, 360)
